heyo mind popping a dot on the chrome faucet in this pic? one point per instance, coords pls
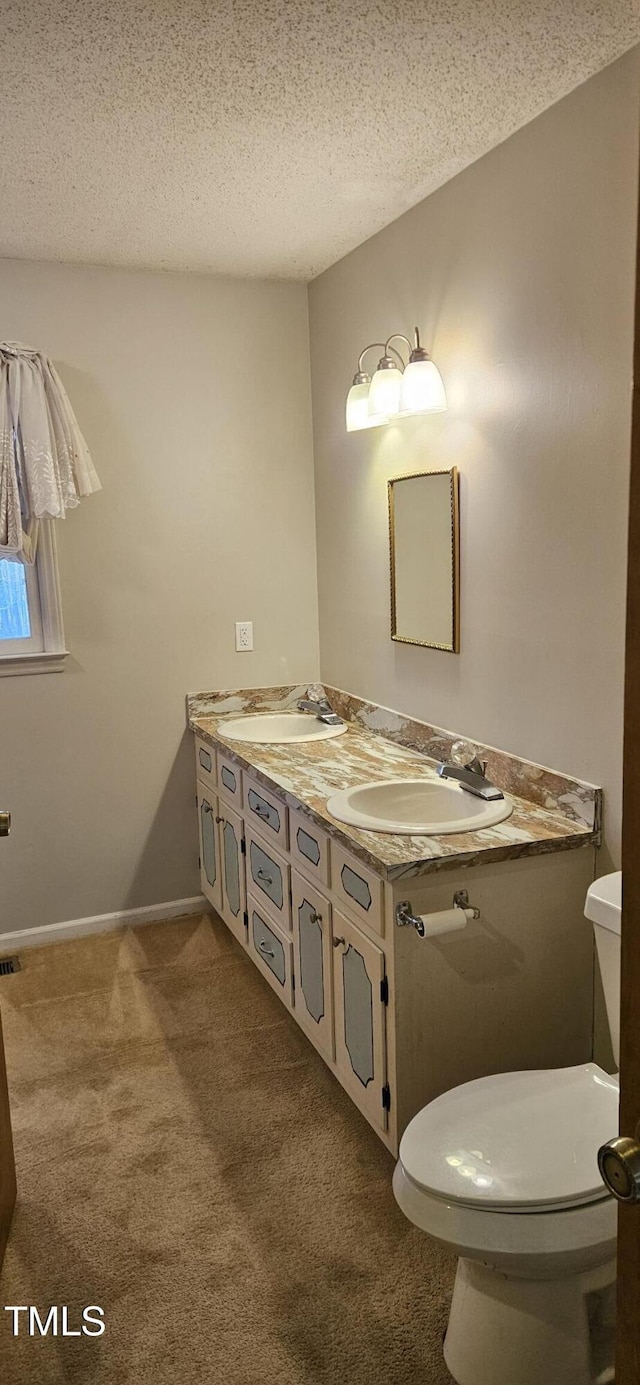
(321, 708)
(469, 772)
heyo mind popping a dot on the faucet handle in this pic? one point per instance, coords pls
(465, 754)
(462, 753)
(315, 692)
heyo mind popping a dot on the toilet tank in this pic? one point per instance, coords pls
(604, 907)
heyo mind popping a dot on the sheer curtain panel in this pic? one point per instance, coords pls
(45, 465)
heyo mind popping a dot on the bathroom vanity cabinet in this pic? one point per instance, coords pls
(397, 1018)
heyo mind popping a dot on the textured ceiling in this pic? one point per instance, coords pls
(265, 137)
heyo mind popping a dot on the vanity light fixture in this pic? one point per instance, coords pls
(359, 414)
(386, 386)
(422, 388)
(396, 390)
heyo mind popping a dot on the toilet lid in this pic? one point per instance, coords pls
(517, 1140)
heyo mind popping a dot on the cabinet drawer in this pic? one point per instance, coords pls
(268, 878)
(263, 807)
(271, 951)
(206, 763)
(309, 847)
(313, 963)
(357, 887)
(230, 780)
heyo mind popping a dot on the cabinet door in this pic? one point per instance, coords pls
(233, 879)
(312, 963)
(210, 876)
(358, 974)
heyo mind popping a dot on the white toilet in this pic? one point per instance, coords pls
(504, 1171)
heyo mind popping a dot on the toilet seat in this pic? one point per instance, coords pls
(523, 1142)
(536, 1246)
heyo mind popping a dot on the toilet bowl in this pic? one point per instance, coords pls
(503, 1171)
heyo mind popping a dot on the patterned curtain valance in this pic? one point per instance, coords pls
(45, 466)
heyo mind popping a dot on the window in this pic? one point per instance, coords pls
(31, 633)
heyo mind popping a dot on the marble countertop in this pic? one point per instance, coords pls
(306, 775)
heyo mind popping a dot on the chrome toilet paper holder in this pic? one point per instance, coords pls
(428, 923)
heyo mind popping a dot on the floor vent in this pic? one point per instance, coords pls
(9, 965)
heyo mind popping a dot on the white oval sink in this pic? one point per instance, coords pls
(279, 728)
(422, 807)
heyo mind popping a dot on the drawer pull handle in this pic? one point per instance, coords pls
(262, 812)
(264, 947)
(262, 875)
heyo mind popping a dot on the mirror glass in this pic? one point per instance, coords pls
(423, 534)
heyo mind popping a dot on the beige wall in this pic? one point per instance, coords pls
(193, 393)
(520, 273)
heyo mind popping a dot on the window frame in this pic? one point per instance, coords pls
(53, 655)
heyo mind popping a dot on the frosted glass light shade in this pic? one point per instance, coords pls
(422, 389)
(358, 415)
(384, 392)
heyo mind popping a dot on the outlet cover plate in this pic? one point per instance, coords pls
(244, 636)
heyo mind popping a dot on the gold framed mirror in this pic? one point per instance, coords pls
(424, 544)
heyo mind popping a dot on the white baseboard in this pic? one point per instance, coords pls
(100, 923)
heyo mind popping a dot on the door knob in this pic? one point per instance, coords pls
(5, 823)
(619, 1164)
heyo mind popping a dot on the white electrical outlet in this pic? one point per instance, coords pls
(244, 636)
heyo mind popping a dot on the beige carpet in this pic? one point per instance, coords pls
(186, 1161)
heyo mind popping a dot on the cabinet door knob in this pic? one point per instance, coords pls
(219, 819)
(338, 942)
(619, 1164)
(5, 823)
